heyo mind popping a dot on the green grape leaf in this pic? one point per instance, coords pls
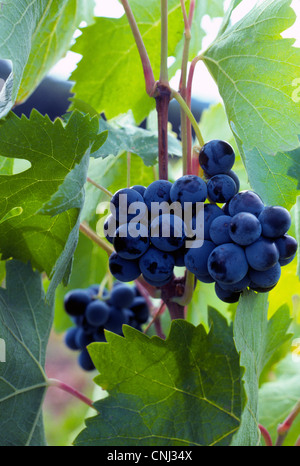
(255, 69)
(25, 324)
(50, 192)
(185, 390)
(34, 35)
(256, 339)
(124, 136)
(114, 82)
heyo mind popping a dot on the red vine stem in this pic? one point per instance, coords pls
(72, 391)
(147, 68)
(266, 436)
(283, 429)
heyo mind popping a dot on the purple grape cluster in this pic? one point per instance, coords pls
(91, 316)
(245, 242)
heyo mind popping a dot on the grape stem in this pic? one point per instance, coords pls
(162, 107)
(147, 68)
(266, 436)
(186, 130)
(155, 320)
(164, 77)
(89, 233)
(72, 391)
(284, 428)
(176, 95)
(188, 290)
(104, 190)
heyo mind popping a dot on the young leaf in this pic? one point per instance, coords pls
(255, 69)
(59, 158)
(185, 390)
(126, 137)
(25, 324)
(114, 82)
(34, 36)
(256, 339)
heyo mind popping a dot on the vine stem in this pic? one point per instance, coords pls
(164, 77)
(89, 233)
(188, 290)
(147, 68)
(72, 391)
(162, 108)
(283, 429)
(266, 436)
(104, 190)
(176, 95)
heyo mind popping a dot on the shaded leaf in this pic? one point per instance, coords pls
(25, 324)
(193, 381)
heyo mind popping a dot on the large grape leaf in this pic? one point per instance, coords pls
(25, 324)
(114, 82)
(256, 339)
(34, 35)
(49, 195)
(185, 390)
(255, 69)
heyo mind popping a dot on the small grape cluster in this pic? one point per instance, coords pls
(92, 315)
(245, 241)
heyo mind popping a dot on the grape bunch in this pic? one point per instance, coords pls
(91, 315)
(245, 242)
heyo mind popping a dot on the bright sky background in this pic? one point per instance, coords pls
(208, 89)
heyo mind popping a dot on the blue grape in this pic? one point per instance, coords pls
(117, 318)
(284, 262)
(70, 338)
(219, 230)
(227, 296)
(275, 221)
(159, 283)
(244, 228)
(287, 247)
(109, 228)
(211, 211)
(235, 178)
(76, 301)
(207, 278)
(236, 287)
(179, 255)
(246, 201)
(140, 310)
(126, 242)
(122, 296)
(267, 279)
(188, 188)
(196, 259)
(167, 232)
(156, 265)
(216, 157)
(140, 189)
(83, 339)
(158, 191)
(122, 214)
(262, 255)
(98, 335)
(221, 188)
(85, 361)
(97, 313)
(122, 269)
(228, 264)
